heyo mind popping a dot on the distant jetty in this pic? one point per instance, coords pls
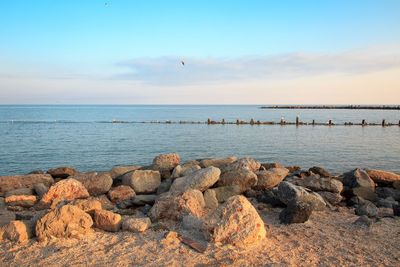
(375, 107)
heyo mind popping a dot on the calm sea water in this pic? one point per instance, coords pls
(40, 137)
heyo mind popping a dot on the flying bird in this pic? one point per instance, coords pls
(183, 63)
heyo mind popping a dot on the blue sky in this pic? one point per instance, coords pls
(52, 51)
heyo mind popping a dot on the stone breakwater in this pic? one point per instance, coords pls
(204, 201)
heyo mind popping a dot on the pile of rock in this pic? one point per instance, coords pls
(206, 195)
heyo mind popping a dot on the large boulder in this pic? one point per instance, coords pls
(67, 221)
(174, 207)
(235, 222)
(332, 198)
(267, 179)
(223, 193)
(357, 178)
(19, 192)
(315, 183)
(95, 183)
(297, 212)
(107, 220)
(217, 162)
(40, 189)
(89, 205)
(383, 177)
(16, 231)
(289, 193)
(243, 178)
(200, 180)
(367, 208)
(166, 162)
(142, 181)
(25, 201)
(62, 172)
(68, 189)
(243, 163)
(8, 183)
(118, 171)
(121, 193)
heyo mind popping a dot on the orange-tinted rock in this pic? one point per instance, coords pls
(235, 222)
(107, 220)
(121, 193)
(95, 183)
(87, 205)
(8, 183)
(25, 201)
(68, 189)
(67, 221)
(62, 172)
(17, 231)
(383, 177)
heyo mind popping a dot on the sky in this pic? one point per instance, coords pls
(235, 52)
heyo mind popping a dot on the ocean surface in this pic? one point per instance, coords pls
(41, 137)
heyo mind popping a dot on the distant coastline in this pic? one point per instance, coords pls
(375, 107)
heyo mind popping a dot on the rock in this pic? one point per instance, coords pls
(141, 200)
(184, 170)
(87, 205)
(289, 193)
(6, 216)
(274, 165)
(142, 181)
(296, 212)
(384, 192)
(243, 178)
(210, 199)
(243, 163)
(36, 172)
(8, 183)
(121, 193)
(16, 231)
(190, 223)
(223, 193)
(315, 183)
(217, 162)
(365, 193)
(332, 198)
(95, 183)
(118, 171)
(200, 180)
(136, 225)
(396, 185)
(235, 222)
(67, 221)
(320, 171)
(174, 207)
(19, 192)
(293, 169)
(171, 239)
(357, 178)
(107, 220)
(367, 208)
(68, 189)
(363, 221)
(383, 177)
(62, 172)
(270, 197)
(354, 201)
(164, 186)
(270, 178)
(40, 189)
(388, 202)
(21, 200)
(106, 204)
(166, 161)
(396, 210)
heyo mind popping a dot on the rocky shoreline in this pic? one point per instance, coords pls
(200, 203)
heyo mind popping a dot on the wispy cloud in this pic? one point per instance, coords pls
(169, 70)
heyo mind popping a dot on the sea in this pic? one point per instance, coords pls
(87, 137)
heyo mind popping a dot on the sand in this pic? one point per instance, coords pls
(329, 238)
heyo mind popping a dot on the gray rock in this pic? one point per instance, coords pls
(95, 183)
(118, 171)
(184, 170)
(62, 172)
(40, 189)
(210, 199)
(388, 202)
(19, 192)
(384, 192)
(224, 192)
(332, 198)
(365, 193)
(243, 178)
(363, 221)
(141, 200)
(298, 212)
(357, 178)
(270, 178)
(396, 210)
(136, 225)
(270, 197)
(367, 208)
(164, 186)
(142, 181)
(315, 183)
(289, 193)
(200, 180)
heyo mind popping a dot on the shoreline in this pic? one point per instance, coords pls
(371, 107)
